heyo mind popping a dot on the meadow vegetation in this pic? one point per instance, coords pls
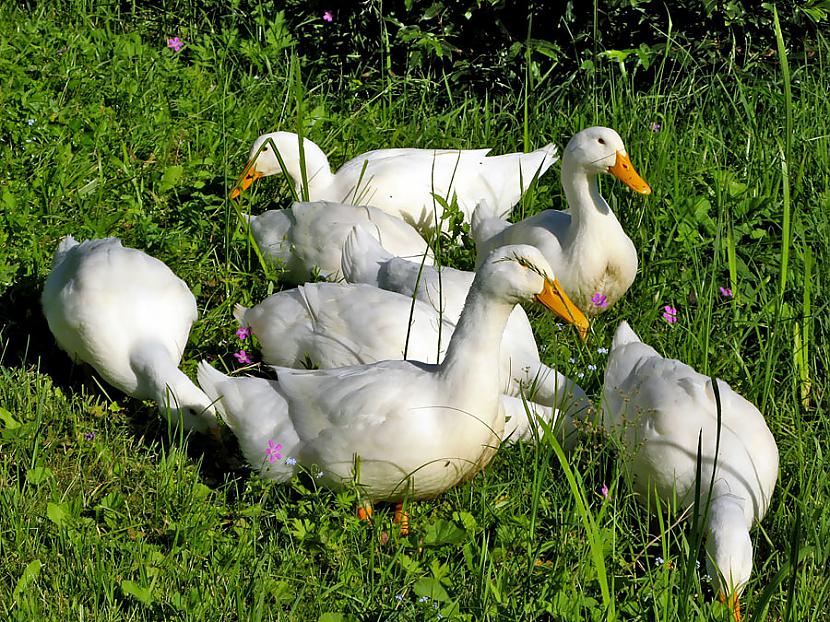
(106, 514)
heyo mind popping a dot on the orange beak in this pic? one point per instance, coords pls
(249, 176)
(624, 171)
(555, 299)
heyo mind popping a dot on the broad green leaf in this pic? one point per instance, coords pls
(8, 420)
(56, 513)
(141, 594)
(443, 532)
(38, 474)
(432, 589)
(31, 571)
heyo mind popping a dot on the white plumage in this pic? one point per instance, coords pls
(402, 182)
(127, 315)
(309, 236)
(445, 290)
(658, 408)
(585, 244)
(396, 428)
(328, 325)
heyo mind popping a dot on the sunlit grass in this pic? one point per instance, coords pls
(108, 515)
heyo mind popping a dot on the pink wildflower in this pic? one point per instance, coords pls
(604, 491)
(726, 292)
(272, 452)
(599, 300)
(670, 314)
(243, 332)
(328, 16)
(175, 44)
(243, 357)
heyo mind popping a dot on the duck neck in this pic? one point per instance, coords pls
(318, 171)
(582, 194)
(728, 545)
(473, 351)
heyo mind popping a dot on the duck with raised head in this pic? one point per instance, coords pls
(395, 429)
(128, 316)
(326, 325)
(401, 182)
(594, 259)
(661, 411)
(445, 289)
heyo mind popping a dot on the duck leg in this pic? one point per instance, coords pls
(365, 511)
(734, 603)
(401, 518)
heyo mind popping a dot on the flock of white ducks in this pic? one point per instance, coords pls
(425, 371)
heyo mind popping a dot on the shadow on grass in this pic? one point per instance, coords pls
(26, 342)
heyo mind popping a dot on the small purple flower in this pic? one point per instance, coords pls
(243, 357)
(243, 332)
(604, 491)
(726, 292)
(290, 461)
(272, 452)
(175, 44)
(670, 314)
(88, 436)
(328, 16)
(30, 122)
(599, 300)
(656, 127)
(423, 599)
(602, 350)
(399, 597)
(592, 367)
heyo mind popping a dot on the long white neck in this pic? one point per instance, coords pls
(582, 193)
(473, 353)
(162, 380)
(728, 545)
(318, 171)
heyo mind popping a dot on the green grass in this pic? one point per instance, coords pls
(133, 140)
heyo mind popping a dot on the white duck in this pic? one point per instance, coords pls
(327, 325)
(395, 428)
(401, 182)
(445, 290)
(309, 237)
(128, 316)
(592, 256)
(659, 408)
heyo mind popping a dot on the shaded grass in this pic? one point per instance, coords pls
(131, 139)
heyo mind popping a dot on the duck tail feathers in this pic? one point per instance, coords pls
(239, 312)
(66, 244)
(624, 335)
(486, 222)
(363, 257)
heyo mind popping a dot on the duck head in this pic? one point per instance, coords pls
(601, 150)
(185, 405)
(520, 273)
(266, 153)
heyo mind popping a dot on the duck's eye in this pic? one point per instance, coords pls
(601, 141)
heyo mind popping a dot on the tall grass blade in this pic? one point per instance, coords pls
(589, 523)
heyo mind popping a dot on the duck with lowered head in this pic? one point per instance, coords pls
(401, 182)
